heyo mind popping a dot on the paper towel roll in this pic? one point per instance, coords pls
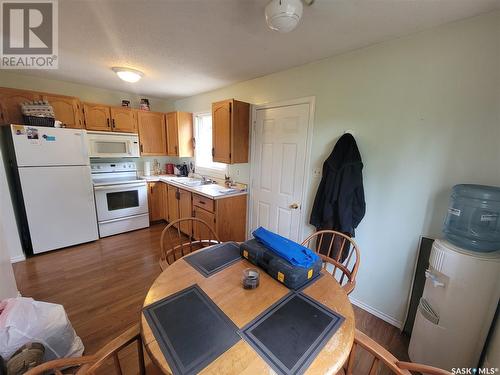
(147, 168)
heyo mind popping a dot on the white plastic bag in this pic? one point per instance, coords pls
(24, 320)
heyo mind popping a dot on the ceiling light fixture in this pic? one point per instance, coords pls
(127, 74)
(283, 15)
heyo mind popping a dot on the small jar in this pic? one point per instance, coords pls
(251, 278)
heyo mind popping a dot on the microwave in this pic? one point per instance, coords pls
(113, 145)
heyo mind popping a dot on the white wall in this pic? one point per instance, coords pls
(425, 112)
(9, 239)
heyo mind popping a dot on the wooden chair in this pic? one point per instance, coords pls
(91, 363)
(382, 357)
(340, 251)
(183, 236)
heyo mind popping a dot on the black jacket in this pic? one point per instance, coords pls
(340, 200)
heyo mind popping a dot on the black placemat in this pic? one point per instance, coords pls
(191, 330)
(214, 258)
(290, 334)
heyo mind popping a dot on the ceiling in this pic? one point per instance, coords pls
(186, 47)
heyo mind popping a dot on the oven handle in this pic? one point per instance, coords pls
(121, 186)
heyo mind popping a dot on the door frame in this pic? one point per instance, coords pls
(311, 101)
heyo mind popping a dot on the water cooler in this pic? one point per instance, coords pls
(460, 296)
(462, 286)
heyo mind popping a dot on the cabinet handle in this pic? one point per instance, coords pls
(141, 148)
(194, 143)
(107, 122)
(175, 148)
(114, 123)
(177, 195)
(213, 151)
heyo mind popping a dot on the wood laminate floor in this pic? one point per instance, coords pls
(102, 286)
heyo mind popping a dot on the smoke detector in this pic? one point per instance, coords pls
(283, 15)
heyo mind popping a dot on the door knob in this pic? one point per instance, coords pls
(294, 206)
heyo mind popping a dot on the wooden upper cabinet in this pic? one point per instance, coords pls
(152, 133)
(123, 119)
(10, 104)
(179, 134)
(230, 131)
(97, 117)
(66, 109)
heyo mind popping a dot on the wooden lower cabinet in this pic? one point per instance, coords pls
(185, 210)
(227, 215)
(200, 232)
(155, 201)
(173, 210)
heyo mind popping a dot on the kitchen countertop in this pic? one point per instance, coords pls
(212, 191)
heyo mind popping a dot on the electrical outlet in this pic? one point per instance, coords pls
(237, 172)
(317, 173)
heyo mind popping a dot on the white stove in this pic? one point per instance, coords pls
(120, 196)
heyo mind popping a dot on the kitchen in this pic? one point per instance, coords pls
(115, 139)
(236, 125)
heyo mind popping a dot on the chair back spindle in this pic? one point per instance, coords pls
(340, 255)
(184, 236)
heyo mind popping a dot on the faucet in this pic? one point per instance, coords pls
(205, 179)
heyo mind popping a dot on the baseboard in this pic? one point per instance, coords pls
(379, 314)
(18, 258)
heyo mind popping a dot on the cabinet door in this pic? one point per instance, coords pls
(123, 120)
(66, 110)
(185, 134)
(10, 104)
(152, 133)
(200, 231)
(185, 210)
(221, 131)
(173, 203)
(164, 200)
(172, 134)
(155, 200)
(97, 117)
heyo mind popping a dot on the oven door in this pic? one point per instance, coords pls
(118, 201)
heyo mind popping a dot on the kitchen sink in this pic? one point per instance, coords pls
(189, 181)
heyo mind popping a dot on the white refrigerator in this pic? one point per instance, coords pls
(53, 187)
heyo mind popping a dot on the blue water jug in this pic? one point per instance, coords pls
(473, 218)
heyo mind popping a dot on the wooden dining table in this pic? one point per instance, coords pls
(242, 306)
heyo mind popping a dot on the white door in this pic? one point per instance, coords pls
(43, 146)
(278, 169)
(60, 208)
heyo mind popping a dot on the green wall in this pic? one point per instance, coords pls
(425, 112)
